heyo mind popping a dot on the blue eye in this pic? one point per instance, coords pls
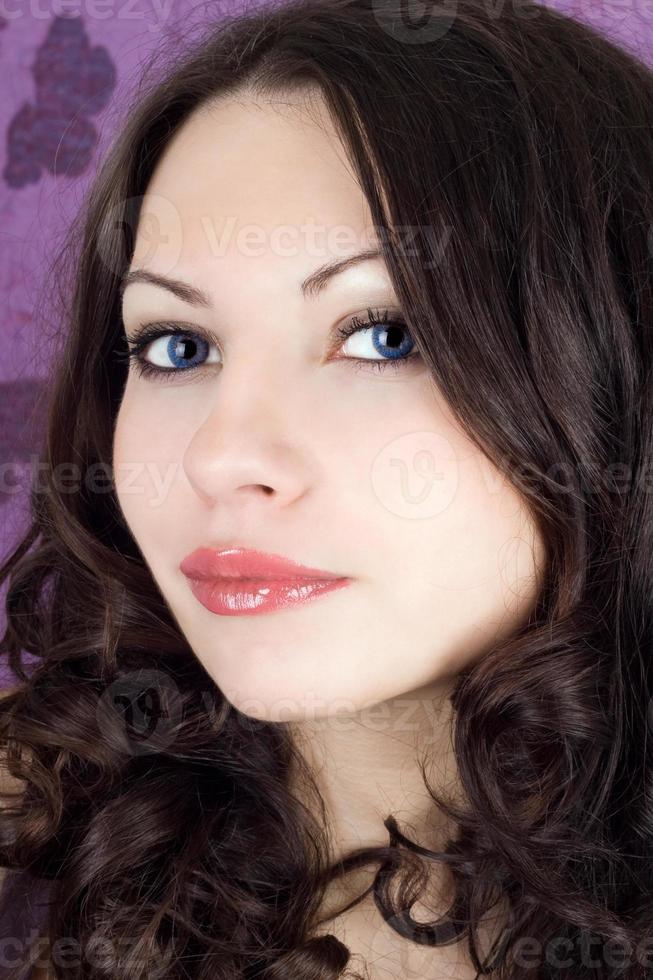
(390, 338)
(180, 352)
(172, 352)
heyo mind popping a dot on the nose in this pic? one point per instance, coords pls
(248, 451)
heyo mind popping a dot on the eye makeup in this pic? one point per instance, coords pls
(390, 337)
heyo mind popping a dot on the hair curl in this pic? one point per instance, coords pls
(522, 139)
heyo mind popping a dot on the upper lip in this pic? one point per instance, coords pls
(233, 562)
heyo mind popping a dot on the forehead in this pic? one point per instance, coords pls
(242, 170)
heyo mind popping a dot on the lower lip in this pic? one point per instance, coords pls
(252, 597)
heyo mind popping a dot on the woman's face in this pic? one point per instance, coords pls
(281, 436)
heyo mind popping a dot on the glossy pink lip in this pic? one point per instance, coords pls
(241, 581)
(208, 563)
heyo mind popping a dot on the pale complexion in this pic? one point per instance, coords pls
(283, 442)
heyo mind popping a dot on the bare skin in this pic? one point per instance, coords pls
(278, 444)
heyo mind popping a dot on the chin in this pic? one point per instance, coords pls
(274, 703)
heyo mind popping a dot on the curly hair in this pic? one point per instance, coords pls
(181, 851)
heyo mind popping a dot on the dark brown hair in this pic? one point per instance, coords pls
(515, 146)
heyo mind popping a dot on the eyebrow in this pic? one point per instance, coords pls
(309, 288)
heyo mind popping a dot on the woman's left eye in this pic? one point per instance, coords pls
(389, 337)
(171, 351)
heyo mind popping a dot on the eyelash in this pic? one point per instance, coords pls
(148, 333)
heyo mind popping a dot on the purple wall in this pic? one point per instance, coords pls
(68, 66)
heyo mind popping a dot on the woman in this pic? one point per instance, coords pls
(344, 609)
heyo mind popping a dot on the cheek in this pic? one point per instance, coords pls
(460, 546)
(128, 464)
(394, 446)
(144, 470)
(484, 542)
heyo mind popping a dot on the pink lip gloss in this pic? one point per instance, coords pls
(238, 581)
(252, 597)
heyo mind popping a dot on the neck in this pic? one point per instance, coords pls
(366, 766)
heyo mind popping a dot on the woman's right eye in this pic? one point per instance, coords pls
(170, 352)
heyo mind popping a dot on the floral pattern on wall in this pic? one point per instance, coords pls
(72, 82)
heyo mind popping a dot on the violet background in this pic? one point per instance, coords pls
(68, 67)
